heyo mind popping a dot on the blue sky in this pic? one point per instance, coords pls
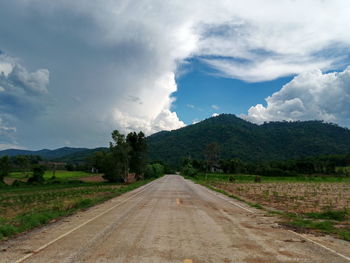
(73, 71)
(202, 92)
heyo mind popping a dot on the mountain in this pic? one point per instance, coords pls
(238, 138)
(60, 154)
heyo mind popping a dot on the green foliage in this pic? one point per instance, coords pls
(154, 171)
(326, 226)
(189, 170)
(249, 142)
(4, 167)
(38, 174)
(137, 154)
(246, 178)
(123, 156)
(35, 205)
(331, 215)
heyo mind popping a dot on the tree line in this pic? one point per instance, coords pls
(326, 165)
(126, 155)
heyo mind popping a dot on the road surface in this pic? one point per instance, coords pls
(171, 220)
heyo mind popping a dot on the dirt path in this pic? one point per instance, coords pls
(171, 220)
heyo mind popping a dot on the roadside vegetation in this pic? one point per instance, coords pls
(309, 194)
(34, 192)
(26, 207)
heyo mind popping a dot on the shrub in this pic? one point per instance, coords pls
(154, 170)
(257, 179)
(188, 170)
(38, 174)
(231, 179)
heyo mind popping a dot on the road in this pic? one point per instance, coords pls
(171, 220)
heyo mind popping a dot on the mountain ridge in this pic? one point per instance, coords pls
(239, 138)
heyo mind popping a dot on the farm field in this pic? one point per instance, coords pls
(23, 208)
(293, 197)
(60, 174)
(306, 203)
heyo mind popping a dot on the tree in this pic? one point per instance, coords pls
(38, 174)
(23, 162)
(116, 161)
(4, 167)
(137, 153)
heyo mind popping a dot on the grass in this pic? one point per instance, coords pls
(285, 192)
(26, 207)
(60, 174)
(244, 178)
(340, 215)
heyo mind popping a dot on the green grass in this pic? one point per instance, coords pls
(243, 178)
(26, 207)
(330, 214)
(60, 174)
(67, 174)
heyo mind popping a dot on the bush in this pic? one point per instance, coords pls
(257, 179)
(17, 183)
(38, 174)
(188, 170)
(231, 179)
(154, 170)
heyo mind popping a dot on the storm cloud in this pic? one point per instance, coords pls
(84, 68)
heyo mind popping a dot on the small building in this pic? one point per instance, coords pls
(216, 168)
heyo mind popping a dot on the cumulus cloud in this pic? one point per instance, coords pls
(21, 94)
(20, 91)
(309, 96)
(120, 58)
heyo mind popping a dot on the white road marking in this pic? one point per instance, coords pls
(233, 203)
(76, 228)
(316, 243)
(295, 233)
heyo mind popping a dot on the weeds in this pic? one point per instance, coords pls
(26, 207)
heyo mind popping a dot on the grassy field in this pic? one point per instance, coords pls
(243, 178)
(60, 174)
(321, 203)
(26, 207)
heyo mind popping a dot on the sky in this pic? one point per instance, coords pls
(73, 71)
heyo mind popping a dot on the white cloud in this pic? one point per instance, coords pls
(190, 106)
(215, 107)
(309, 96)
(195, 121)
(215, 114)
(120, 58)
(21, 91)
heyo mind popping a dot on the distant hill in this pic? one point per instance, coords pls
(64, 154)
(238, 138)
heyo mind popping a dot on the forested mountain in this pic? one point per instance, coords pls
(60, 154)
(238, 138)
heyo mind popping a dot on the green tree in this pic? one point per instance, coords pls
(23, 162)
(4, 167)
(38, 174)
(137, 153)
(116, 161)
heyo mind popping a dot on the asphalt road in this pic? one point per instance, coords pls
(171, 220)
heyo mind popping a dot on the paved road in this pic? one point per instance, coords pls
(170, 220)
